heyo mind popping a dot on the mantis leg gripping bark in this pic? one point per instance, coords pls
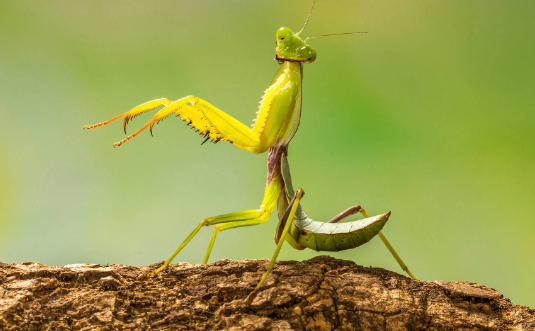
(274, 127)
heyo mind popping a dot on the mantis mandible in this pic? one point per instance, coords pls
(274, 127)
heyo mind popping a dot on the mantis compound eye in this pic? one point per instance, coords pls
(306, 54)
(284, 33)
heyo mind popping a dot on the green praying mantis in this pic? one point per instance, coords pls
(274, 127)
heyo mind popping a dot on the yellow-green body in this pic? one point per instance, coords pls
(280, 109)
(276, 123)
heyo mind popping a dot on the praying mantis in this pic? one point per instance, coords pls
(274, 127)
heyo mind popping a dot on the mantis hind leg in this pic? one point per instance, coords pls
(359, 209)
(346, 213)
(285, 166)
(287, 220)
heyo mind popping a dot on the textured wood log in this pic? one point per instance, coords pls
(319, 294)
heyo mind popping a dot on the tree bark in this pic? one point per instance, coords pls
(319, 294)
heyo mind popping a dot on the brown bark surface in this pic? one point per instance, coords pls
(320, 294)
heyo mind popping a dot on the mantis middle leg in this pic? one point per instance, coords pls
(350, 211)
(236, 219)
(287, 221)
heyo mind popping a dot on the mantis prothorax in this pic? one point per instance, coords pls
(275, 125)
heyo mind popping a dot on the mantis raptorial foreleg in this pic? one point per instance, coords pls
(287, 220)
(203, 116)
(275, 125)
(138, 110)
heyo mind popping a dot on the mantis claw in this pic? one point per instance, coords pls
(105, 122)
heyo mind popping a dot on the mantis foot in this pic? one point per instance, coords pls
(153, 273)
(250, 298)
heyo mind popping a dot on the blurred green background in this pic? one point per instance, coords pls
(430, 115)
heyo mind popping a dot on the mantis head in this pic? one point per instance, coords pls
(290, 47)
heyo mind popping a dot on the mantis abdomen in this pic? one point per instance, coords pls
(326, 236)
(321, 236)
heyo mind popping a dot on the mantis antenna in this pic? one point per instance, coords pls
(310, 12)
(280, 109)
(333, 34)
(323, 35)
